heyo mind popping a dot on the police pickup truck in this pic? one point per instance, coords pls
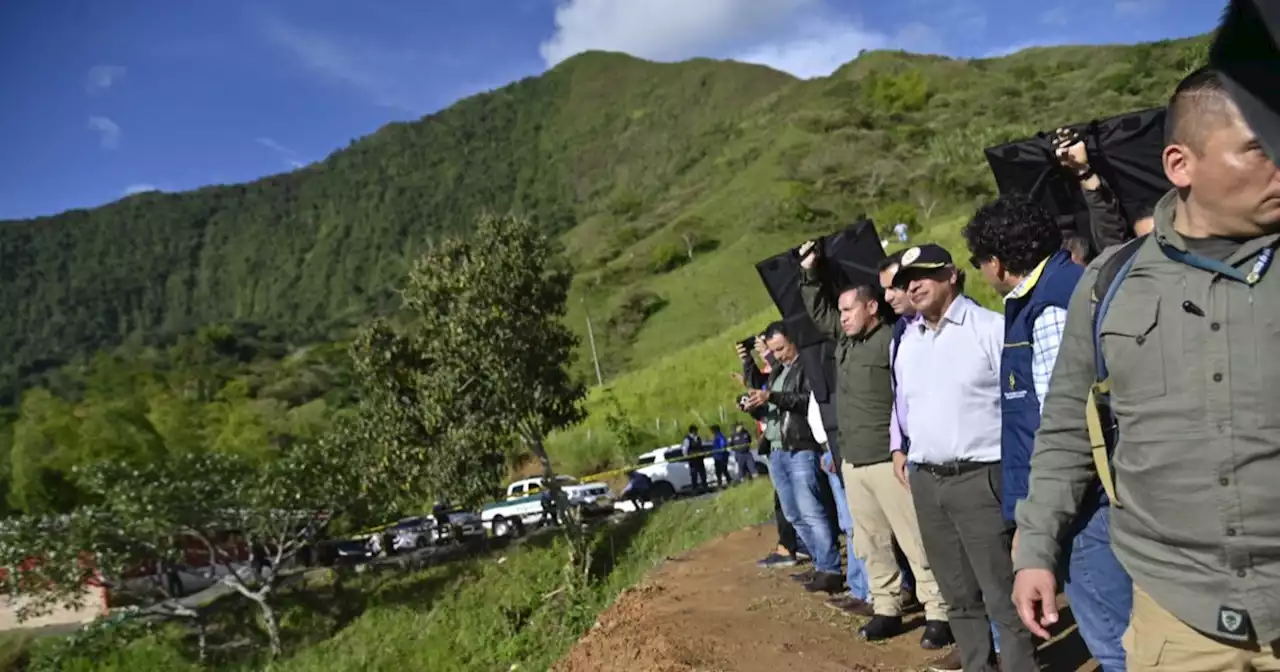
(522, 506)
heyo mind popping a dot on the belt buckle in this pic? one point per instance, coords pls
(951, 468)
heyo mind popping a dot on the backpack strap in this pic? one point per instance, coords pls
(1099, 419)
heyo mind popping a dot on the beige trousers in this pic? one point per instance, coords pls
(1156, 639)
(883, 509)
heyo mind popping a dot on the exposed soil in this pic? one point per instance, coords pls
(712, 609)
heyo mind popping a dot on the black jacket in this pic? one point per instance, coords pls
(792, 400)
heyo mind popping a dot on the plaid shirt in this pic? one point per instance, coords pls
(1046, 339)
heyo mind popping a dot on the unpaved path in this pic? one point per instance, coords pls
(713, 610)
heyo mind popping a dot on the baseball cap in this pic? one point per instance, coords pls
(920, 260)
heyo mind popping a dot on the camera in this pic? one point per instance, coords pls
(743, 400)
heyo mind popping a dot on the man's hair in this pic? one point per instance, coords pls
(1198, 99)
(715, 429)
(693, 429)
(1077, 245)
(778, 328)
(889, 262)
(959, 281)
(867, 292)
(1015, 230)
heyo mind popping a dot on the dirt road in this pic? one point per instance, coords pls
(713, 610)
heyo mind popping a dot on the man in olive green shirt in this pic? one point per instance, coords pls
(1192, 343)
(880, 506)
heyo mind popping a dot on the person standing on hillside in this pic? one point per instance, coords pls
(1185, 343)
(696, 459)
(1018, 250)
(880, 507)
(795, 456)
(740, 445)
(720, 456)
(949, 373)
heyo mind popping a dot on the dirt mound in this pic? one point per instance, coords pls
(712, 609)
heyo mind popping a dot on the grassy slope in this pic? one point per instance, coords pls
(473, 615)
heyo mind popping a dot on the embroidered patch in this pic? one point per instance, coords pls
(1233, 621)
(910, 256)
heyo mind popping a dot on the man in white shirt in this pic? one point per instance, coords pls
(948, 368)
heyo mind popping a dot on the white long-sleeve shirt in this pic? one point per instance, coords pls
(950, 379)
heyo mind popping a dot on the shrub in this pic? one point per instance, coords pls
(667, 257)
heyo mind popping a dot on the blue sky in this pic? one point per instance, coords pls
(104, 98)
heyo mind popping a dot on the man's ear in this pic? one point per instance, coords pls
(1179, 163)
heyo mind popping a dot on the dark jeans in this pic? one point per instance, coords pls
(904, 567)
(746, 464)
(722, 470)
(698, 473)
(1099, 589)
(786, 531)
(967, 541)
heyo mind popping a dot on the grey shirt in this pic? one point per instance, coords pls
(1197, 467)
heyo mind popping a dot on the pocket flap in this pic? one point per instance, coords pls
(1131, 318)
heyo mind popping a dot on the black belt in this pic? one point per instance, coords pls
(952, 468)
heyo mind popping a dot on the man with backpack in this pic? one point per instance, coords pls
(1172, 351)
(1017, 248)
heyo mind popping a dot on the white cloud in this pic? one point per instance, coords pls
(665, 30)
(815, 51)
(108, 131)
(1137, 7)
(102, 77)
(807, 38)
(389, 78)
(289, 156)
(139, 189)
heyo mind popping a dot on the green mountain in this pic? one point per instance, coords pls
(664, 179)
(214, 319)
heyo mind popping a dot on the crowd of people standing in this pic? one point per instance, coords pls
(1107, 432)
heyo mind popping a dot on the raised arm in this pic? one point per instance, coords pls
(817, 301)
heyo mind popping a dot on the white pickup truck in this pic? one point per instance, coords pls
(669, 471)
(523, 504)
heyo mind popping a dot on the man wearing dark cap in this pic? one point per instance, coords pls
(949, 374)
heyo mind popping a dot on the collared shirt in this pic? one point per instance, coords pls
(1046, 337)
(1197, 463)
(897, 420)
(950, 377)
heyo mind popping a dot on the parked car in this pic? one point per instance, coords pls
(669, 471)
(522, 506)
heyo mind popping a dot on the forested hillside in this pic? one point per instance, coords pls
(665, 183)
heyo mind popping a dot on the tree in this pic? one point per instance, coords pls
(483, 364)
(246, 522)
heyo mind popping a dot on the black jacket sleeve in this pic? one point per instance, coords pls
(1106, 225)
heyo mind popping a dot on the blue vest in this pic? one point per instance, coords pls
(1051, 284)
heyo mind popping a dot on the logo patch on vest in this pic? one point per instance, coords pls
(1011, 381)
(1015, 395)
(1233, 621)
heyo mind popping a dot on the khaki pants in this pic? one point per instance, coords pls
(883, 509)
(1157, 639)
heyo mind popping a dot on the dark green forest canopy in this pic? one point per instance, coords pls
(632, 161)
